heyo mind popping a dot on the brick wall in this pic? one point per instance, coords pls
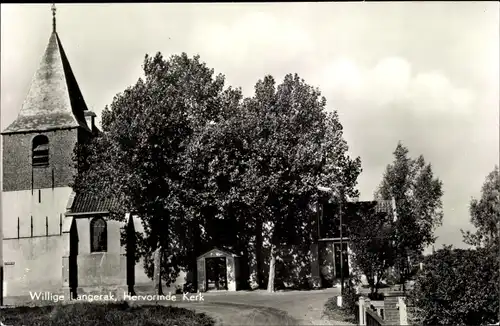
(17, 168)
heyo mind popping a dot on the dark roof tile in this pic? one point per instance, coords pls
(88, 203)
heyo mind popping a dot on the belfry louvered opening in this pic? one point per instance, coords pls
(40, 157)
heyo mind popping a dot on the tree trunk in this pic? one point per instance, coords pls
(377, 284)
(197, 252)
(272, 269)
(371, 282)
(258, 256)
(379, 278)
(403, 281)
(401, 274)
(406, 274)
(157, 271)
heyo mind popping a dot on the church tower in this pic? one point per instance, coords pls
(38, 168)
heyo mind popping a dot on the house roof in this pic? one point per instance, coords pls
(380, 206)
(86, 203)
(54, 100)
(216, 252)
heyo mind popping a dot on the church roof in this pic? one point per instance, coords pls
(54, 100)
(86, 203)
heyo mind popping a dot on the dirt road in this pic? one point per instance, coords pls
(262, 308)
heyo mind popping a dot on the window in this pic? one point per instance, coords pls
(40, 150)
(98, 235)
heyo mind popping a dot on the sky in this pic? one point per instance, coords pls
(423, 73)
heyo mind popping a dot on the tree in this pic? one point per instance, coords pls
(457, 287)
(186, 154)
(142, 157)
(485, 214)
(370, 233)
(418, 193)
(294, 145)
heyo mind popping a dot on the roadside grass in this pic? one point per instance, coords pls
(112, 314)
(333, 312)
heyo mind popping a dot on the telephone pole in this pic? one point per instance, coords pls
(1, 229)
(341, 247)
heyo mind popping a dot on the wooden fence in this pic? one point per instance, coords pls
(373, 319)
(381, 313)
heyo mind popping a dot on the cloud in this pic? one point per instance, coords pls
(434, 92)
(392, 82)
(342, 76)
(251, 46)
(255, 35)
(389, 80)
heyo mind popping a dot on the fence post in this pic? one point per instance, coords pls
(403, 315)
(362, 317)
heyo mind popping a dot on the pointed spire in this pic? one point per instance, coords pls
(54, 100)
(53, 17)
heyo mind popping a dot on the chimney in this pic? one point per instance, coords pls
(89, 118)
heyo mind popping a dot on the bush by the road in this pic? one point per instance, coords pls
(103, 314)
(457, 287)
(348, 311)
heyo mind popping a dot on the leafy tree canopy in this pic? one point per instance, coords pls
(183, 152)
(457, 287)
(371, 241)
(485, 214)
(141, 157)
(417, 192)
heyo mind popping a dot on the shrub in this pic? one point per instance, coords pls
(349, 300)
(104, 314)
(457, 287)
(189, 287)
(392, 277)
(333, 312)
(349, 311)
(293, 268)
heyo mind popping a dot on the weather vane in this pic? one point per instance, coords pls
(53, 16)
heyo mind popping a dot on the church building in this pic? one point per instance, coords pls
(53, 240)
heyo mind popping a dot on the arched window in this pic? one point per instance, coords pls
(98, 235)
(40, 151)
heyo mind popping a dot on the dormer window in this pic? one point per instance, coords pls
(90, 119)
(40, 151)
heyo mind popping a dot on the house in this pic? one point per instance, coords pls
(326, 265)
